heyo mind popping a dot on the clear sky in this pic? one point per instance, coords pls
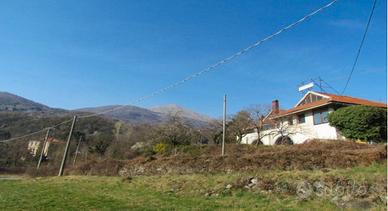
(73, 54)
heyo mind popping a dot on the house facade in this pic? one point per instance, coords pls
(307, 120)
(33, 146)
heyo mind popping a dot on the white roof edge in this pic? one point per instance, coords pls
(303, 110)
(310, 92)
(268, 114)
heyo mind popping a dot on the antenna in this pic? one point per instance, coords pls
(306, 87)
(318, 82)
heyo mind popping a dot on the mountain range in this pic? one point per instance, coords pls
(126, 113)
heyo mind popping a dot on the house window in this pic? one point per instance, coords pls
(321, 117)
(301, 119)
(290, 122)
(315, 98)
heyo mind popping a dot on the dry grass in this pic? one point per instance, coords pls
(314, 155)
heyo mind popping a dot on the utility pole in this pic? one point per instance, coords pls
(67, 147)
(224, 127)
(76, 150)
(43, 147)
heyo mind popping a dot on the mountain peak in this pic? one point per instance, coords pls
(172, 109)
(12, 102)
(128, 113)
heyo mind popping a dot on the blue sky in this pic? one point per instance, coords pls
(73, 54)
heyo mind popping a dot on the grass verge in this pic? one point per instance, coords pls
(175, 192)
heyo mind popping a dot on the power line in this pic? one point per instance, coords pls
(205, 70)
(360, 47)
(319, 84)
(332, 88)
(36, 132)
(327, 85)
(221, 62)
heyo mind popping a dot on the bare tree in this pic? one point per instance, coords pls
(257, 114)
(285, 130)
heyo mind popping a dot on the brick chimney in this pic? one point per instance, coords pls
(275, 106)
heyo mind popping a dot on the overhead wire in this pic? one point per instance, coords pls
(331, 87)
(223, 61)
(36, 132)
(360, 47)
(199, 73)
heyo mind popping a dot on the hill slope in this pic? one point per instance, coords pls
(138, 115)
(129, 114)
(14, 103)
(11, 102)
(173, 109)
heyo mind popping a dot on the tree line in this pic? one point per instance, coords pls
(104, 138)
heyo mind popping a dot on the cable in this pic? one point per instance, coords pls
(360, 47)
(36, 132)
(212, 67)
(24, 136)
(208, 69)
(332, 88)
(319, 84)
(327, 85)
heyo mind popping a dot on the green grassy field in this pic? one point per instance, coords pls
(168, 192)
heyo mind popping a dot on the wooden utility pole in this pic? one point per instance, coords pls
(43, 147)
(224, 127)
(67, 147)
(76, 150)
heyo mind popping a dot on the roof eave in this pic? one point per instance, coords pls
(303, 110)
(311, 92)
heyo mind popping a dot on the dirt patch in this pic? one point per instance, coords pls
(309, 156)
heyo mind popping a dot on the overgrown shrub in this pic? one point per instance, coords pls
(148, 151)
(192, 150)
(361, 122)
(161, 148)
(99, 143)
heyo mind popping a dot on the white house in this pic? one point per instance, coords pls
(33, 146)
(307, 120)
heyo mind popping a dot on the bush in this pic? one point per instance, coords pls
(192, 150)
(148, 151)
(100, 143)
(161, 148)
(361, 122)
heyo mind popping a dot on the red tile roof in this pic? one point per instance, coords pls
(353, 100)
(332, 99)
(271, 115)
